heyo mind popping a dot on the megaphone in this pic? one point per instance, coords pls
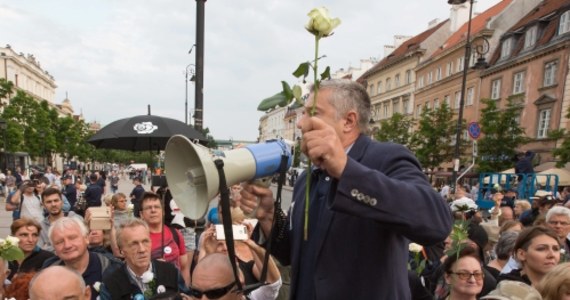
(193, 178)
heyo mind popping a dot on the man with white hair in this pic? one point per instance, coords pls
(70, 238)
(58, 282)
(558, 218)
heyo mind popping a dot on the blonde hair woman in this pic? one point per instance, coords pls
(556, 284)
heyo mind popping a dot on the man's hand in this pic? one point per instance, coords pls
(323, 146)
(256, 199)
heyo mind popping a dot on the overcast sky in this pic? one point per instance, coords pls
(115, 57)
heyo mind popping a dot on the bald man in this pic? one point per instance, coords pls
(213, 278)
(69, 285)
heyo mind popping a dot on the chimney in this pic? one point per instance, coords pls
(459, 15)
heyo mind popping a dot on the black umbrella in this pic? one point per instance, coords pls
(141, 133)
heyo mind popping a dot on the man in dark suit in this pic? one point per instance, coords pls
(368, 201)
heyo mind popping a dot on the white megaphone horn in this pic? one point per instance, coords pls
(193, 178)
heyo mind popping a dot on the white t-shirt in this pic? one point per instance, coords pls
(32, 208)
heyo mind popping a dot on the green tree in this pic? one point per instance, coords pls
(562, 152)
(397, 129)
(502, 135)
(435, 137)
(5, 88)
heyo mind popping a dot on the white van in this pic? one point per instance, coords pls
(134, 167)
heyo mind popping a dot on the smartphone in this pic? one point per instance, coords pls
(239, 231)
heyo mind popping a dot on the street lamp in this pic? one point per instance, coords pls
(481, 50)
(189, 70)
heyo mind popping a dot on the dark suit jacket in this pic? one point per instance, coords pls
(381, 202)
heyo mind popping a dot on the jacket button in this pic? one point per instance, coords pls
(373, 201)
(354, 192)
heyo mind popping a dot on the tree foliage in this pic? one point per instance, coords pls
(435, 137)
(397, 129)
(501, 136)
(562, 152)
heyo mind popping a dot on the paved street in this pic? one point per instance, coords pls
(125, 186)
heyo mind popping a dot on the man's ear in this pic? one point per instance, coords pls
(350, 121)
(87, 293)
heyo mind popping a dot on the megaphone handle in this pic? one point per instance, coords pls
(227, 218)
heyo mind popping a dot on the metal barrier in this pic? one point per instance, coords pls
(531, 182)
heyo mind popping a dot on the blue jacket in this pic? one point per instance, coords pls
(381, 202)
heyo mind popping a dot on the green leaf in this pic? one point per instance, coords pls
(279, 99)
(287, 90)
(298, 93)
(12, 253)
(302, 70)
(326, 75)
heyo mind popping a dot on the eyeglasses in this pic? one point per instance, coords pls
(466, 275)
(212, 294)
(558, 223)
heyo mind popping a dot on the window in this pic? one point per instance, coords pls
(518, 83)
(397, 81)
(460, 64)
(550, 73)
(386, 107)
(379, 88)
(530, 37)
(564, 25)
(430, 77)
(496, 89)
(469, 100)
(406, 106)
(428, 105)
(396, 106)
(449, 68)
(446, 101)
(436, 103)
(438, 74)
(457, 100)
(408, 76)
(543, 122)
(418, 110)
(388, 84)
(421, 82)
(506, 48)
(371, 90)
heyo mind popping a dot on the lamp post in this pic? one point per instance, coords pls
(3, 127)
(189, 70)
(480, 64)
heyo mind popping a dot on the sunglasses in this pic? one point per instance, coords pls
(212, 294)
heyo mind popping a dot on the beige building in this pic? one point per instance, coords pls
(390, 83)
(439, 78)
(530, 66)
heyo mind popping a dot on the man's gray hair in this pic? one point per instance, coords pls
(558, 211)
(506, 244)
(66, 223)
(128, 223)
(348, 95)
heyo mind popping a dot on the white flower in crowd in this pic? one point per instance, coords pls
(147, 277)
(130, 207)
(12, 240)
(413, 247)
(97, 286)
(160, 289)
(320, 24)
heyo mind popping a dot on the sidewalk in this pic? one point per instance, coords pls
(125, 187)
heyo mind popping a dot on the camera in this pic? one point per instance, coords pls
(239, 231)
(100, 218)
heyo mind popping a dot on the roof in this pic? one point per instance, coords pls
(547, 13)
(478, 23)
(409, 46)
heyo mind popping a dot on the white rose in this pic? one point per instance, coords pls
(97, 286)
(147, 277)
(160, 289)
(320, 23)
(12, 240)
(413, 247)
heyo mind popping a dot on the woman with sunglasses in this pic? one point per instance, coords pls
(537, 250)
(464, 274)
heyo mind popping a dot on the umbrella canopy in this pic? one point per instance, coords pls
(563, 177)
(142, 133)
